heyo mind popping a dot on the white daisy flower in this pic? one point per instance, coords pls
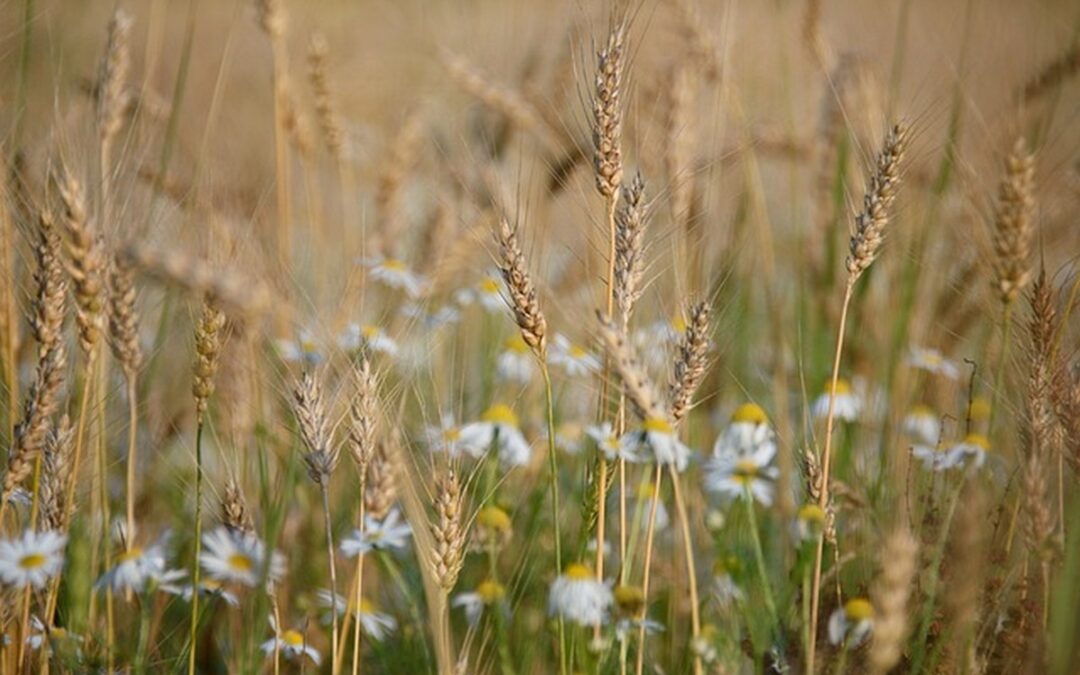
(445, 437)
(934, 457)
(731, 476)
(488, 593)
(574, 360)
(443, 316)
(395, 274)
(971, 451)
(923, 424)
(516, 363)
(375, 623)
(627, 628)
(809, 523)
(290, 643)
(56, 635)
(569, 437)
(657, 437)
(644, 494)
(378, 535)
(488, 293)
(499, 425)
(612, 446)
(32, 558)
(932, 361)
(848, 403)
(368, 337)
(232, 556)
(209, 588)
(137, 567)
(747, 433)
(851, 624)
(304, 349)
(577, 596)
(726, 591)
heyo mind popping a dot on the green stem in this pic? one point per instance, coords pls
(759, 555)
(553, 478)
(192, 634)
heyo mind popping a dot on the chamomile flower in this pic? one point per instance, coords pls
(577, 596)
(848, 403)
(493, 526)
(934, 457)
(851, 624)
(304, 349)
(923, 425)
(375, 623)
(971, 451)
(32, 558)
(487, 594)
(626, 628)
(809, 522)
(574, 360)
(932, 361)
(367, 338)
(488, 292)
(657, 438)
(57, 635)
(378, 535)
(291, 644)
(704, 645)
(443, 316)
(733, 477)
(210, 588)
(445, 437)
(516, 363)
(498, 425)
(569, 437)
(394, 273)
(726, 591)
(644, 495)
(137, 567)
(611, 445)
(748, 432)
(232, 556)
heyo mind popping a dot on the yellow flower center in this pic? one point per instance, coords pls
(932, 358)
(978, 440)
(750, 412)
(658, 425)
(490, 591)
(812, 513)
(394, 265)
(577, 352)
(500, 414)
(726, 566)
(678, 323)
(490, 285)
(630, 599)
(293, 639)
(370, 332)
(131, 554)
(745, 470)
(308, 346)
(493, 518)
(516, 344)
(366, 606)
(32, 561)
(240, 562)
(923, 411)
(980, 409)
(843, 387)
(578, 572)
(451, 435)
(859, 609)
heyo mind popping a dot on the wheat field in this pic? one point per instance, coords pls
(492, 336)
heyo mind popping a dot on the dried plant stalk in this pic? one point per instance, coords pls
(448, 531)
(890, 599)
(523, 296)
(1013, 227)
(207, 349)
(607, 114)
(322, 455)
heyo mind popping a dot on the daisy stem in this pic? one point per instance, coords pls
(759, 555)
(999, 377)
(144, 632)
(325, 489)
(826, 465)
(841, 662)
(553, 470)
(648, 562)
(198, 549)
(132, 393)
(691, 571)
